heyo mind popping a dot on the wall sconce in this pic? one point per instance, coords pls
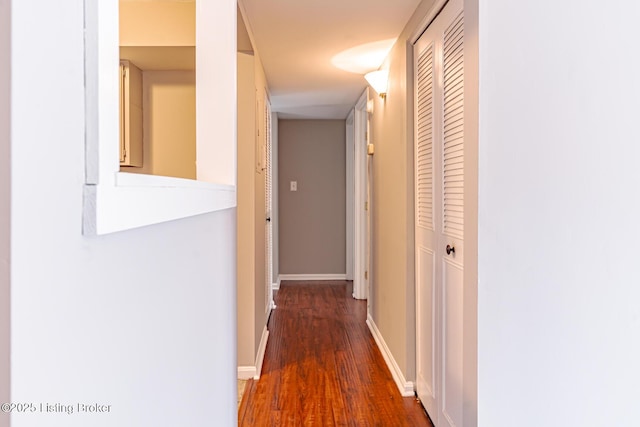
(379, 81)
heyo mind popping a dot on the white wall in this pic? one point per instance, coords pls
(214, 42)
(559, 317)
(470, 280)
(142, 320)
(5, 205)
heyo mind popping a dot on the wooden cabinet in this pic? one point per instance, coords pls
(130, 115)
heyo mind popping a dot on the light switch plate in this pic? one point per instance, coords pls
(294, 185)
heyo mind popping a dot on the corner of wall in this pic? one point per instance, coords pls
(405, 387)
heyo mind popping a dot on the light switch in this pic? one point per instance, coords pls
(294, 185)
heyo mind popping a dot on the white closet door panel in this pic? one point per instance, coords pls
(453, 126)
(452, 346)
(424, 151)
(426, 331)
(427, 127)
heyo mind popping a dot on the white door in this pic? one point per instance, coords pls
(439, 166)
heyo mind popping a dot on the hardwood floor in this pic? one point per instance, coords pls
(322, 366)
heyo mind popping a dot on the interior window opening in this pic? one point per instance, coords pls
(158, 88)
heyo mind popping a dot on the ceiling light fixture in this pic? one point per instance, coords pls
(379, 80)
(363, 58)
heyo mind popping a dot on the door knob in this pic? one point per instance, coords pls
(268, 219)
(451, 250)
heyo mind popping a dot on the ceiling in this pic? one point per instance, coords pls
(297, 40)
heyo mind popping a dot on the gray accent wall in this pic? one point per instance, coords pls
(312, 219)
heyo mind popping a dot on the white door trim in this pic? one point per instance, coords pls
(350, 180)
(267, 156)
(361, 117)
(438, 5)
(275, 268)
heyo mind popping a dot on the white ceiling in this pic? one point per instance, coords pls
(297, 40)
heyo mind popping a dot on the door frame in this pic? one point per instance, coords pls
(350, 180)
(275, 215)
(360, 229)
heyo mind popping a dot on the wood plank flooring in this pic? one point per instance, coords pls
(322, 366)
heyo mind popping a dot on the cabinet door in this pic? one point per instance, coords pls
(123, 108)
(130, 114)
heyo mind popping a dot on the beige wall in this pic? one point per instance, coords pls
(312, 220)
(169, 124)
(246, 209)
(252, 298)
(260, 207)
(392, 304)
(147, 23)
(393, 284)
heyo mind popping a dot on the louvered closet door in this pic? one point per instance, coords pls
(452, 206)
(439, 165)
(427, 125)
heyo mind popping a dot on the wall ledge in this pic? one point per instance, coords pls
(134, 200)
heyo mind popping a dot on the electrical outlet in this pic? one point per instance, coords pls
(294, 185)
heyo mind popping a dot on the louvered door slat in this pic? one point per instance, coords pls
(424, 151)
(453, 130)
(454, 151)
(453, 100)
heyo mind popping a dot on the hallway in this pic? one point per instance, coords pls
(322, 366)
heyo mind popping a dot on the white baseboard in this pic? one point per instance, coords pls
(312, 277)
(276, 286)
(248, 372)
(406, 387)
(261, 350)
